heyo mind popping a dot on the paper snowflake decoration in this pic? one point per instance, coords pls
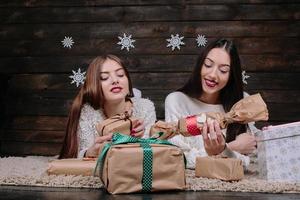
(67, 42)
(201, 40)
(245, 77)
(77, 77)
(126, 42)
(175, 42)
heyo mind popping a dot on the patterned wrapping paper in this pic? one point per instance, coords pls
(279, 153)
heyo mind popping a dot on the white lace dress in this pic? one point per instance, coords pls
(178, 105)
(89, 117)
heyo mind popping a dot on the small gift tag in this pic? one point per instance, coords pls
(201, 119)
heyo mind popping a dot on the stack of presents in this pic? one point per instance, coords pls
(128, 164)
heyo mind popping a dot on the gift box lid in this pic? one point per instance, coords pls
(279, 131)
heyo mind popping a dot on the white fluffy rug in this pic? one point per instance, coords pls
(32, 171)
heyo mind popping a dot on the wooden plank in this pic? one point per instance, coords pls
(33, 136)
(172, 81)
(271, 63)
(277, 111)
(54, 107)
(94, 47)
(144, 63)
(260, 125)
(279, 96)
(149, 13)
(41, 123)
(62, 81)
(272, 96)
(281, 112)
(44, 94)
(151, 29)
(23, 148)
(273, 81)
(83, 3)
(37, 106)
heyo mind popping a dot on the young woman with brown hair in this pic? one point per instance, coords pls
(107, 91)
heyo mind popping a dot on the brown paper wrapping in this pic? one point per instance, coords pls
(121, 123)
(84, 167)
(123, 168)
(248, 109)
(168, 130)
(227, 169)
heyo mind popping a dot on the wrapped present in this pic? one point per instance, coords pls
(164, 130)
(120, 123)
(279, 152)
(130, 164)
(84, 167)
(249, 109)
(227, 169)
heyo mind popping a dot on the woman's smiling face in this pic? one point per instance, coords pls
(215, 71)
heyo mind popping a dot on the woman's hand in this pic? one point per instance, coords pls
(244, 143)
(214, 141)
(138, 128)
(93, 151)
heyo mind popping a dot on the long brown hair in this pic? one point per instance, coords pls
(231, 93)
(91, 93)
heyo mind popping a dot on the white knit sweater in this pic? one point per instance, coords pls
(178, 105)
(89, 117)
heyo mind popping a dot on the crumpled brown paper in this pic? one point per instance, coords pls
(120, 123)
(248, 109)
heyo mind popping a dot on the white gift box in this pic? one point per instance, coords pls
(279, 153)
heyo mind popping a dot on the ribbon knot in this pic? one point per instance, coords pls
(119, 117)
(125, 115)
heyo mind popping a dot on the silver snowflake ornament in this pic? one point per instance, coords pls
(175, 42)
(126, 42)
(77, 77)
(67, 42)
(245, 77)
(201, 40)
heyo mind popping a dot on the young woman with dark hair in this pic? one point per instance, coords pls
(214, 85)
(107, 91)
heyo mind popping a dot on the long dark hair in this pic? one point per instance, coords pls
(91, 93)
(231, 93)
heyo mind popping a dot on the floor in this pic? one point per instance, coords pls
(43, 193)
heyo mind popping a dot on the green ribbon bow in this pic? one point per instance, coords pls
(119, 138)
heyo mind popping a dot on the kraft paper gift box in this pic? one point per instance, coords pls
(131, 164)
(227, 169)
(120, 123)
(248, 109)
(279, 152)
(84, 167)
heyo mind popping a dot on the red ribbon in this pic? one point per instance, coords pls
(191, 125)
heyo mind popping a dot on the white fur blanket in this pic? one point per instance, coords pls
(32, 171)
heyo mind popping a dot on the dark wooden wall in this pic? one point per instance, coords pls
(35, 68)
